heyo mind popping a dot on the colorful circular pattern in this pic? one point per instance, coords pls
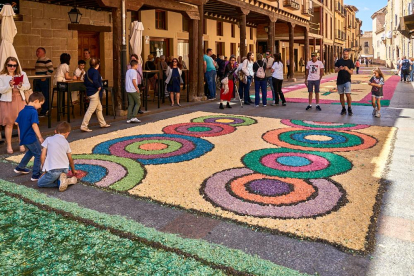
(319, 140)
(321, 125)
(153, 149)
(199, 129)
(230, 120)
(106, 171)
(245, 192)
(292, 163)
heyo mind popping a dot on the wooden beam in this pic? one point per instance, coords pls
(291, 51)
(116, 45)
(193, 59)
(243, 36)
(200, 51)
(89, 28)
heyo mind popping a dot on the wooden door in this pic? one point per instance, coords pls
(88, 40)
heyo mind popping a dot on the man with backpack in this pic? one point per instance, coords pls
(405, 68)
(260, 82)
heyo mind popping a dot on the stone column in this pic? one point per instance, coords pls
(193, 59)
(200, 52)
(271, 37)
(117, 41)
(291, 52)
(306, 45)
(243, 35)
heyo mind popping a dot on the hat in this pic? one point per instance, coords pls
(150, 57)
(314, 54)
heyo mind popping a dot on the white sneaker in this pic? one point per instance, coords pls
(71, 181)
(135, 120)
(63, 182)
(378, 114)
(256, 106)
(129, 121)
(264, 105)
(374, 112)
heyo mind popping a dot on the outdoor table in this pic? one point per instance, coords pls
(105, 85)
(49, 114)
(146, 84)
(68, 87)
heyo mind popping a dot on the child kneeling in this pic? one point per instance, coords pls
(56, 157)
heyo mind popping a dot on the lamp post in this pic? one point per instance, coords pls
(74, 16)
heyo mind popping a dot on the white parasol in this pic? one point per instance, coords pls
(8, 32)
(136, 39)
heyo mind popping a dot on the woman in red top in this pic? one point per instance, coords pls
(229, 73)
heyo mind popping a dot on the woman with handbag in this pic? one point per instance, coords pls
(13, 83)
(93, 84)
(174, 81)
(227, 89)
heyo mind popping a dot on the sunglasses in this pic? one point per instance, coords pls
(12, 65)
(174, 61)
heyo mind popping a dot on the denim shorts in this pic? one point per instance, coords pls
(344, 88)
(315, 83)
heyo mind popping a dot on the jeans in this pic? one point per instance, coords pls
(411, 75)
(211, 83)
(277, 85)
(344, 88)
(33, 150)
(51, 178)
(94, 105)
(134, 102)
(270, 83)
(245, 90)
(43, 86)
(406, 73)
(357, 69)
(260, 84)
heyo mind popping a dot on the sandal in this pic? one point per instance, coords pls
(86, 129)
(105, 126)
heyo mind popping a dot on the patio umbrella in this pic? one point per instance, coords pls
(136, 39)
(8, 32)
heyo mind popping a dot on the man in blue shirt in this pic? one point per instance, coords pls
(28, 121)
(405, 68)
(210, 74)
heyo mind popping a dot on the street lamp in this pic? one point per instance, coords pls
(74, 15)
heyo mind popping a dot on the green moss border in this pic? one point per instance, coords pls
(230, 260)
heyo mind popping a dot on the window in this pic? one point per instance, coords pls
(251, 33)
(366, 44)
(233, 30)
(186, 24)
(220, 48)
(219, 28)
(160, 20)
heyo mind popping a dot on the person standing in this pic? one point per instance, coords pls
(269, 63)
(277, 78)
(150, 65)
(301, 64)
(259, 68)
(131, 87)
(210, 73)
(247, 69)
(357, 65)
(140, 75)
(87, 59)
(43, 66)
(13, 83)
(226, 94)
(405, 68)
(183, 66)
(345, 68)
(174, 81)
(314, 73)
(377, 83)
(93, 84)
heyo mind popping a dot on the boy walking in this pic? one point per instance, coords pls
(314, 73)
(30, 135)
(131, 87)
(56, 158)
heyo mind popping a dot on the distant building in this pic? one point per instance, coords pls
(378, 36)
(367, 47)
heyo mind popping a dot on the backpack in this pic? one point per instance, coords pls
(405, 64)
(260, 72)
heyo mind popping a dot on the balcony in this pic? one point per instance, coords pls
(291, 4)
(308, 11)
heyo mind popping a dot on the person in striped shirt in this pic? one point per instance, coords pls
(43, 66)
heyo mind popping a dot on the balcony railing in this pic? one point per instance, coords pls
(306, 10)
(291, 4)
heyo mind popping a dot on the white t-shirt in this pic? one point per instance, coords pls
(314, 70)
(78, 72)
(60, 73)
(131, 74)
(57, 149)
(278, 73)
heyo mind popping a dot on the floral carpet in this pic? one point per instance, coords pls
(311, 180)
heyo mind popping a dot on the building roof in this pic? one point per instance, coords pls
(352, 8)
(379, 12)
(367, 34)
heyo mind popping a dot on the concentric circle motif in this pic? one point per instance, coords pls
(112, 172)
(199, 129)
(321, 125)
(292, 163)
(319, 140)
(230, 120)
(153, 149)
(245, 192)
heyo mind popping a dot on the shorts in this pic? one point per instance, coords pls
(377, 97)
(344, 88)
(315, 83)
